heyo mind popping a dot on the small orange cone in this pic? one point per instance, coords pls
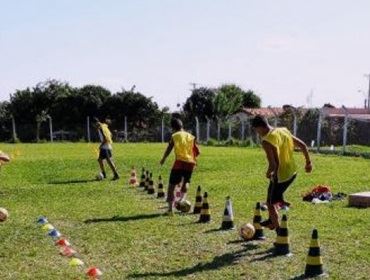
(133, 180)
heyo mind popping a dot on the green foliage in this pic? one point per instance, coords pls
(200, 104)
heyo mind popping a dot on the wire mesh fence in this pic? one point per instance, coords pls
(324, 129)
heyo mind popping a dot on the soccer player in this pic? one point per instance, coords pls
(105, 148)
(186, 151)
(278, 144)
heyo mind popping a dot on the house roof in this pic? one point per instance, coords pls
(266, 112)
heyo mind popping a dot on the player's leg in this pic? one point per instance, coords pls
(185, 184)
(111, 164)
(283, 187)
(101, 163)
(272, 194)
(175, 178)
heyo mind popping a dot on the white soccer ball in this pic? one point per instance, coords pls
(247, 231)
(3, 214)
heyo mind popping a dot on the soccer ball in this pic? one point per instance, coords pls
(183, 206)
(247, 231)
(3, 214)
(99, 177)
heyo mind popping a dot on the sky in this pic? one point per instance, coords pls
(298, 52)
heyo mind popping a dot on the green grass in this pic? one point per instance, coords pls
(139, 243)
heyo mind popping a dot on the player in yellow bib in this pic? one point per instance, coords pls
(105, 148)
(278, 144)
(186, 151)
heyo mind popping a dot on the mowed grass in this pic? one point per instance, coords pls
(121, 229)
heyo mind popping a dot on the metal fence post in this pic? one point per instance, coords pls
(208, 129)
(243, 129)
(88, 128)
(51, 128)
(345, 129)
(162, 130)
(229, 135)
(125, 129)
(14, 129)
(197, 128)
(319, 130)
(294, 122)
(218, 130)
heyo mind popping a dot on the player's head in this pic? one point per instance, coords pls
(176, 124)
(260, 124)
(96, 121)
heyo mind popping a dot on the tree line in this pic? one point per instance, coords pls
(69, 106)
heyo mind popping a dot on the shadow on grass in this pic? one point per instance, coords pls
(265, 255)
(72, 181)
(217, 263)
(124, 218)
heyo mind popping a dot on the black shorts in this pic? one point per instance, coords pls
(276, 190)
(178, 174)
(105, 153)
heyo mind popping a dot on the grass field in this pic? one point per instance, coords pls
(121, 230)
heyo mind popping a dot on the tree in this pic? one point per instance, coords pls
(250, 99)
(228, 100)
(200, 104)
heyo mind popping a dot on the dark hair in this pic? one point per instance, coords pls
(176, 124)
(259, 121)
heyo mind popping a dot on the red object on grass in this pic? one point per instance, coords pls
(94, 272)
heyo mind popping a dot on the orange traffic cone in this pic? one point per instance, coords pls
(133, 180)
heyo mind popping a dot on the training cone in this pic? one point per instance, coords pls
(94, 273)
(146, 186)
(133, 180)
(54, 233)
(67, 251)
(314, 265)
(47, 227)
(151, 184)
(62, 242)
(205, 215)
(142, 178)
(198, 201)
(76, 262)
(42, 220)
(160, 187)
(228, 219)
(282, 239)
(258, 234)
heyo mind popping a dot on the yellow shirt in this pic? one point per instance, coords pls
(104, 133)
(183, 145)
(282, 140)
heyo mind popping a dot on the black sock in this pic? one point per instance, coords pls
(104, 175)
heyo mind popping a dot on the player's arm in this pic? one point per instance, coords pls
(303, 147)
(273, 160)
(167, 152)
